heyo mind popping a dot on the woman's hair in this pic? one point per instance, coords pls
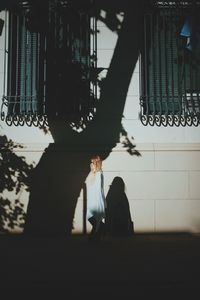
(96, 160)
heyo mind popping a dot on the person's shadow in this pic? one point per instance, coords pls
(118, 217)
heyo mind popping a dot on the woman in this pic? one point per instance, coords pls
(96, 203)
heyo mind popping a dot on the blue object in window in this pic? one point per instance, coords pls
(186, 31)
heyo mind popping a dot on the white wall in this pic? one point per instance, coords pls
(162, 185)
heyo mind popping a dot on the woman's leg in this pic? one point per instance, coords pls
(98, 229)
(93, 222)
(101, 230)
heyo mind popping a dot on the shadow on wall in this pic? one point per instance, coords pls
(118, 216)
(14, 174)
(61, 173)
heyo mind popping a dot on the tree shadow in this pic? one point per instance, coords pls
(61, 173)
(14, 177)
(118, 216)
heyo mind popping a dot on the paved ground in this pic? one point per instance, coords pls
(124, 267)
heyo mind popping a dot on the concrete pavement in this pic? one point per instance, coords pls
(115, 266)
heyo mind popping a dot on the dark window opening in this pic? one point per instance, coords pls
(24, 73)
(50, 52)
(170, 64)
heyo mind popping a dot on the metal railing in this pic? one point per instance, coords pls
(40, 57)
(169, 65)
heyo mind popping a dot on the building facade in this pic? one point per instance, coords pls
(159, 165)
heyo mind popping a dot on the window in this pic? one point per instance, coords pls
(25, 72)
(170, 64)
(50, 53)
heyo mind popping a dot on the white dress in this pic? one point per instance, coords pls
(96, 202)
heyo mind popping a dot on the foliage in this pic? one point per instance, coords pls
(14, 174)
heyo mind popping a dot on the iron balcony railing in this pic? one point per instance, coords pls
(170, 64)
(50, 51)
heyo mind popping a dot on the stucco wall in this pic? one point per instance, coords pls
(162, 185)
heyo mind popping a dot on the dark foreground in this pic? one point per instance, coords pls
(122, 267)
